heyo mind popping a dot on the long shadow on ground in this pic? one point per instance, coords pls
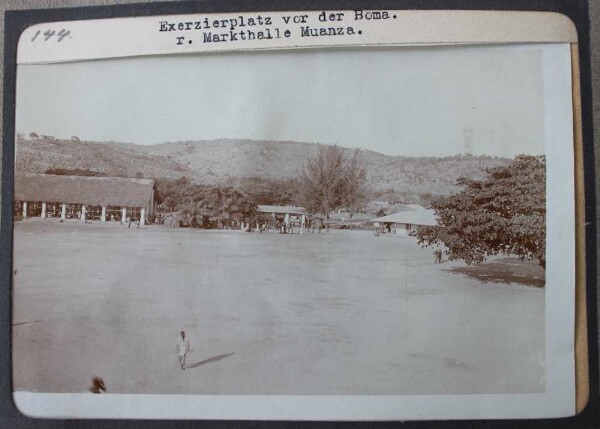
(505, 270)
(209, 360)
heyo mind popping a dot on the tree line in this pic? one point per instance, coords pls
(503, 213)
(329, 180)
(207, 206)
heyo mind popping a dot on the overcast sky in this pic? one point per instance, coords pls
(397, 101)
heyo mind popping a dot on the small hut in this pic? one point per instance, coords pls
(285, 214)
(407, 220)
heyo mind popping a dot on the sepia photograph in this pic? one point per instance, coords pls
(318, 222)
(285, 232)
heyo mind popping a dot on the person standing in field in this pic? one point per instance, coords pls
(98, 385)
(183, 346)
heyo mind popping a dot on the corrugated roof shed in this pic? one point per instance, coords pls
(96, 191)
(281, 209)
(416, 216)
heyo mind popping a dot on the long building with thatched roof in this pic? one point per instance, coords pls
(82, 197)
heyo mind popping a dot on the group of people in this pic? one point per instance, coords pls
(313, 226)
(381, 228)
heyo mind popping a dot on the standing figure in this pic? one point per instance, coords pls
(98, 385)
(183, 346)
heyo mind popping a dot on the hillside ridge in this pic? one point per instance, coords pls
(226, 160)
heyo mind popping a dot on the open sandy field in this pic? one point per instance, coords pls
(346, 313)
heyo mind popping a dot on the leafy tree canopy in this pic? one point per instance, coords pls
(504, 213)
(221, 203)
(331, 180)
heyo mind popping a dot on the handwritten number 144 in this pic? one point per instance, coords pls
(48, 34)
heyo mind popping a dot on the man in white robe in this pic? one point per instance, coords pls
(183, 346)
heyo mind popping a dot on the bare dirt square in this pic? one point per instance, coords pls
(267, 314)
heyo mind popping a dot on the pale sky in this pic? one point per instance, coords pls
(396, 101)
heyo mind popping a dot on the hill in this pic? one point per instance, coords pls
(233, 161)
(37, 156)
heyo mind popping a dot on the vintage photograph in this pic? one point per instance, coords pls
(315, 222)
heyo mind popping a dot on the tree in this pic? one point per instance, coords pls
(226, 204)
(504, 213)
(330, 180)
(33, 135)
(204, 203)
(354, 184)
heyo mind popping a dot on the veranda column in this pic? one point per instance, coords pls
(82, 212)
(143, 217)
(63, 212)
(24, 209)
(103, 217)
(43, 211)
(123, 214)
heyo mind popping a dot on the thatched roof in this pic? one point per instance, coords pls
(416, 215)
(281, 209)
(96, 191)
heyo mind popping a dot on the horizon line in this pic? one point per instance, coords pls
(68, 139)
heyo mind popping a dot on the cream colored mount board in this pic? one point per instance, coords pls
(582, 388)
(180, 34)
(183, 34)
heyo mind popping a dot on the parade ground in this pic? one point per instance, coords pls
(267, 314)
